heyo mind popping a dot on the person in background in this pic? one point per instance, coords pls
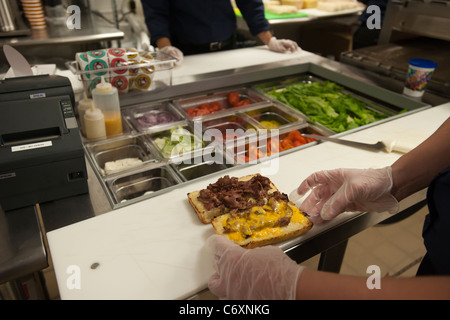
(179, 27)
(363, 36)
(268, 273)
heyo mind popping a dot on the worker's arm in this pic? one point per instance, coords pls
(416, 169)
(323, 285)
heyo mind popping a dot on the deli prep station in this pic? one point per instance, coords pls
(152, 234)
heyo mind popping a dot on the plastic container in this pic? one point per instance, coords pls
(218, 103)
(125, 68)
(179, 144)
(83, 105)
(153, 117)
(106, 98)
(419, 73)
(94, 122)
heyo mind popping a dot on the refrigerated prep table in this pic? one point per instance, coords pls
(153, 248)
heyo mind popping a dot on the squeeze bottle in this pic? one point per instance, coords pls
(94, 122)
(106, 98)
(83, 105)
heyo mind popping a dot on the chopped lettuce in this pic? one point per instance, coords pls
(326, 103)
(180, 141)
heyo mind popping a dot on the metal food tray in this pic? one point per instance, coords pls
(201, 167)
(371, 103)
(142, 184)
(286, 117)
(136, 116)
(185, 156)
(186, 104)
(236, 154)
(118, 149)
(229, 128)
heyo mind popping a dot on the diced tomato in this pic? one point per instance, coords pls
(243, 102)
(215, 106)
(233, 98)
(286, 144)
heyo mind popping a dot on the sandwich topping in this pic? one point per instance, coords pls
(260, 221)
(231, 195)
(255, 210)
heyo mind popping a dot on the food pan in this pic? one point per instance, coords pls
(218, 103)
(106, 153)
(142, 184)
(201, 167)
(230, 128)
(154, 117)
(272, 144)
(275, 117)
(326, 103)
(179, 143)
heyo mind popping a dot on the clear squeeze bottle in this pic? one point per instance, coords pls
(83, 105)
(94, 123)
(106, 98)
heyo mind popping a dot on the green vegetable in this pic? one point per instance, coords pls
(325, 103)
(179, 142)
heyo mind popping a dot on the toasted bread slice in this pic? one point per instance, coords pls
(298, 225)
(207, 216)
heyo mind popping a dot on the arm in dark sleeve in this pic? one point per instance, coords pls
(253, 13)
(157, 18)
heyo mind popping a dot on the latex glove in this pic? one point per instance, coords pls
(262, 273)
(174, 52)
(282, 45)
(340, 190)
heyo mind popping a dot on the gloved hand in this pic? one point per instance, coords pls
(262, 273)
(282, 45)
(340, 190)
(174, 52)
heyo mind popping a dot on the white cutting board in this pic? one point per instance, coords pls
(155, 249)
(194, 65)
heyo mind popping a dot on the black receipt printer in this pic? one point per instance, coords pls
(41, 153)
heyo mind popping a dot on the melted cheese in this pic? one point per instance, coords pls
(261, 221)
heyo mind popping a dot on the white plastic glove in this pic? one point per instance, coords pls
(174, 52)
(282, 45)
(340, 190)
(265, 273)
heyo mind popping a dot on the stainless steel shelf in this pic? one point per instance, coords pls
(92, 30)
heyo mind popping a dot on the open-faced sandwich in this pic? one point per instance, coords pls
(249, 210)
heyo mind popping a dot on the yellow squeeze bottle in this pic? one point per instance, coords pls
(106, 98)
